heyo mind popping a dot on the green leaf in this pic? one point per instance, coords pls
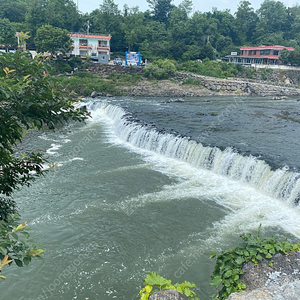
(240, 260)
(3, 250)
(268, 246)
(18, 262)
(26, 260)
(15, 236)
(212, 254)
(187, 284)
(26, 234)
(216, 281)
(187, 292)
(155, 279)
(228, 274)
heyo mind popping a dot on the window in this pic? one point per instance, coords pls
(254, 52)
(83, 42)
(82, 53)
(242, 52)
(262, 52)
(275, 52)
(102, 43)
(267, 52)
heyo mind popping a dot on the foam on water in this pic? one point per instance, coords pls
(247, 187)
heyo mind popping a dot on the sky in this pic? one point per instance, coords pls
(87, 6)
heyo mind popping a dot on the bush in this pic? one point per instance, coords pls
(83, 75)
(217, 69)
(192, 81)
(84, 83)
(161, 69)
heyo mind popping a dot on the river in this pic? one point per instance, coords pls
(133, 191)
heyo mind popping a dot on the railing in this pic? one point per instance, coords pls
(278, 67)
(84, 33)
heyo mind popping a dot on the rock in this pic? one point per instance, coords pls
(279, 282)
(256, 294)
(83, 108)
(167, 295)
(94, 94)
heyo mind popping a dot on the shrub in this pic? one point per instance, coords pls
(192, 81)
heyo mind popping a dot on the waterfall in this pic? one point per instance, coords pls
(280, 183)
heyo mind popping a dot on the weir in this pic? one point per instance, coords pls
(280, 183)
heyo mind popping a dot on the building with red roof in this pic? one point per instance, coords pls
(267, 55)
(91, 44)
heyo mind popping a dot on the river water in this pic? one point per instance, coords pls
(147, 185)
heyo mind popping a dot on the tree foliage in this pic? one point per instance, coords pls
(7, 34)
(28, 99)
(164, 30)
(52, 39)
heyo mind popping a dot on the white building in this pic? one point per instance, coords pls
(90, 44)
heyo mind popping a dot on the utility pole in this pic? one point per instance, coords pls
(88, 27)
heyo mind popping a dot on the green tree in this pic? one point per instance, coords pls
(108, 20)
(35, 16)
(245, 22)
(13, 10)
(62, 14)
(160, 9)
(294, 58)
(186, 6)
(29, 99)
(178, 32)
(52, 39)
(273, 17)
(7, 34)
(133, 28)
(285, 56)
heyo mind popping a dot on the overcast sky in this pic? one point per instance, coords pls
(202, 5)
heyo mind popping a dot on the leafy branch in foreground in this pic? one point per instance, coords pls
(15, 243)
(28, 100)
(154, 282)
(229, 264)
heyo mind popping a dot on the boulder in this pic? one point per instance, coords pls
(279, 282)
(256, 294)
(94, 94)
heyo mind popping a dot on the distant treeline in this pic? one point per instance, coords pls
(162, 31)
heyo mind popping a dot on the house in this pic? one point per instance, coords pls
(91, 45)
(266, 55)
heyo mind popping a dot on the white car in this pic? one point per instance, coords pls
(132, 63)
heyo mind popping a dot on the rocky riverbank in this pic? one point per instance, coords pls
(210, 87)
(207, 86)
(279, 282)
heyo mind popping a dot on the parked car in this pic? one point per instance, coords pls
(118, 61)
(94, 58)
(132, 63)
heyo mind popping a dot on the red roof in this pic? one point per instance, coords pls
(267, 47)
(79, 35)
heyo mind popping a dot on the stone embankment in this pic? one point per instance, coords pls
(240, 86)
(209, 85)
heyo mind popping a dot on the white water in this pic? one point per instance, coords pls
(281, 183)
(165, 201)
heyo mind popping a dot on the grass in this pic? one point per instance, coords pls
(192, 81)
(84, 83)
